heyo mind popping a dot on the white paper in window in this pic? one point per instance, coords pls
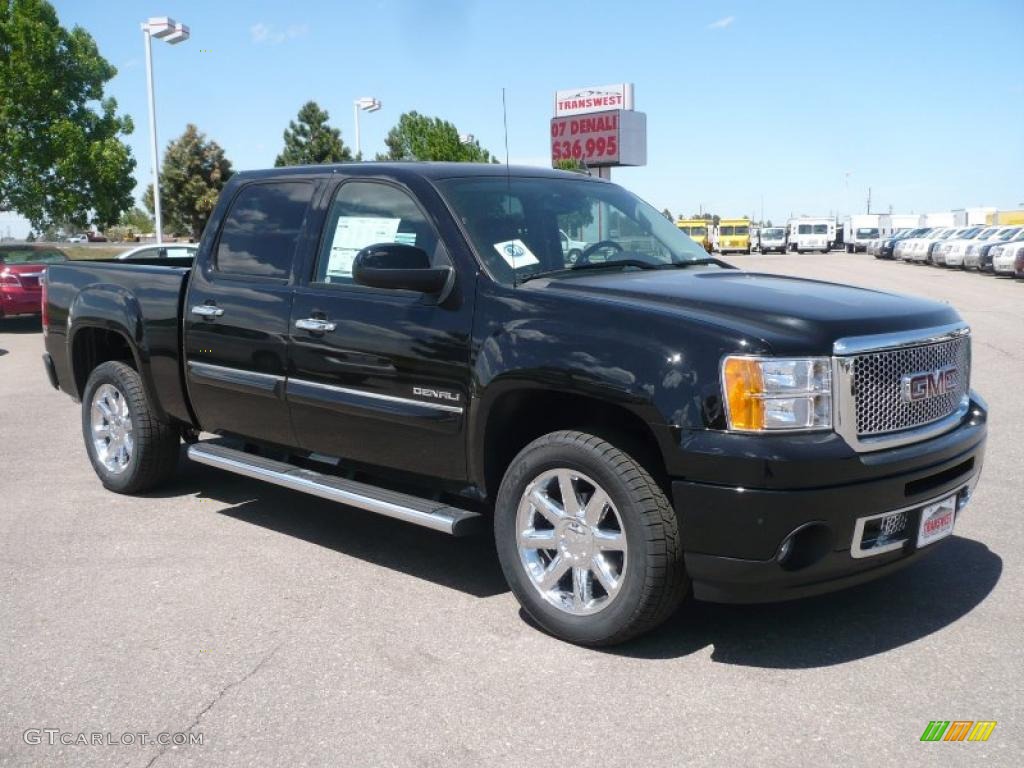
(515, 253)
(354, 233)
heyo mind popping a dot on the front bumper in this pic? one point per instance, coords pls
(733, 534)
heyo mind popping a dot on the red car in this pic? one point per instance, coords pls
(21, 266)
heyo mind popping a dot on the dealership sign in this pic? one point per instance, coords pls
(614, 137)
(599, 98)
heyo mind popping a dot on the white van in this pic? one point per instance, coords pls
(810, 234)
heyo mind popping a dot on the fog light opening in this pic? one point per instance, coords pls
(804, 546)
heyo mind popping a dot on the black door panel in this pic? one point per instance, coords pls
(237, 313)
(389, 385)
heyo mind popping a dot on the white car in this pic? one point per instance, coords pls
(977, 252)
(78, 239)
(159, 251)
(923, 248)
(904, 247)
(931, 252)
(572, 248)
(901, 247)
(1008, 259)
(927, 255)
(952, 252)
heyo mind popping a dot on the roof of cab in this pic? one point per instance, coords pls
(429, 170)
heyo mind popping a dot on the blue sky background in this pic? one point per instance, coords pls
(922, 101)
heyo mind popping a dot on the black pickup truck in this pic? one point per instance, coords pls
(635, 421)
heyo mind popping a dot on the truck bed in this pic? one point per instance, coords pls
(145, 296)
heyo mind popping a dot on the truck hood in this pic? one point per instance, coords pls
(788, 314)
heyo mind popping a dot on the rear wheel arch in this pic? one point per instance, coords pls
(91, 345)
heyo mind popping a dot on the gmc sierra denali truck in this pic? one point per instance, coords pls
(636, 424)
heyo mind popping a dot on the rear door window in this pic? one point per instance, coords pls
(261, 231)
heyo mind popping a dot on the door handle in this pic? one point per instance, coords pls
(315, 324)
(207, 310)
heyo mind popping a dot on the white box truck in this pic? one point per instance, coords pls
(971, 217)
(901, 221)
(861, 228)
(941, 219)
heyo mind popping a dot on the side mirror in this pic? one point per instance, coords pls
(396, 265)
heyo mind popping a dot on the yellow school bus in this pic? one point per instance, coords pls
(734, 235)
(698, 230)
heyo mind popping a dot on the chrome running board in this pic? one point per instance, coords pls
(411, 509)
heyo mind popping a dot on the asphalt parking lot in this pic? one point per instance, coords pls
(288, 631)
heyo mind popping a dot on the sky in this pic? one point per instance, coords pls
(796, 106)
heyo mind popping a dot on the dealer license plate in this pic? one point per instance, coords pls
(936, 521)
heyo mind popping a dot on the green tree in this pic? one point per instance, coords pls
(193, 173)
(309, 140)
(667, 214)
(61, 155)
(713, 218)
(137, 220)
(418, 137)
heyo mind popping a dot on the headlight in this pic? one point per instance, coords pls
(771, 394)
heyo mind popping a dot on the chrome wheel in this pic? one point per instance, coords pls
(571, 541)
(112, 437)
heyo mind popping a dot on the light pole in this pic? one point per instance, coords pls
(166, 29)
(365, 104)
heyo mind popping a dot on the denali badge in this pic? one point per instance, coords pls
(437, 394)
(925, 385)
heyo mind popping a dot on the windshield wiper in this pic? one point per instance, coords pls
(592, 265)
(695, 263)
(646, 265)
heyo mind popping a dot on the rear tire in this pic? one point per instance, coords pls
(130, 449)
(614, 569)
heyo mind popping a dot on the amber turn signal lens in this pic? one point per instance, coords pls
(743, 385)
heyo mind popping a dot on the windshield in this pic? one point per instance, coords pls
(1006, 234)
(821, 229)
(969, 234)
(514, 225)
(696, 231)
(31, 256)
(866, 233)
(1018, 235)
(734, 230)
(803, 229)
(772, 234)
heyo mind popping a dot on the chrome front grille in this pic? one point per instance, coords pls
(880, 407)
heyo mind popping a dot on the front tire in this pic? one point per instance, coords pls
(130, 449)
(587, 540)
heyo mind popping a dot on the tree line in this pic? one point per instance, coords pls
(64, 162)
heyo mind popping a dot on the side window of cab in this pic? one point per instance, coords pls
(262, 229)
(367, 213)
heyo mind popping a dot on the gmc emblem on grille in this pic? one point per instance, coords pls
(925, 385)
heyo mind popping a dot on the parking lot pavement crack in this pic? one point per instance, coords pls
(220, 695)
